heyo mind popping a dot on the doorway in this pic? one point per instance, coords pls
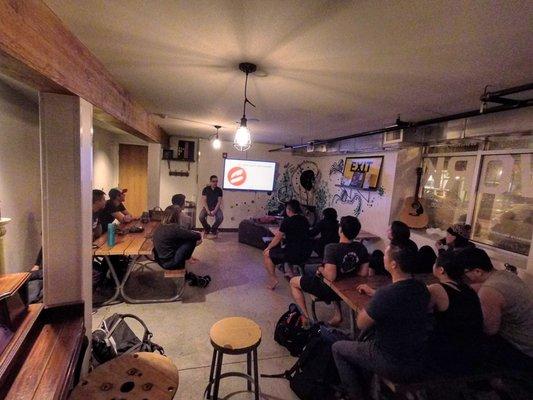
(133, 175)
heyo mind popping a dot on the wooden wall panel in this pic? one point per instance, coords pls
(133, 175)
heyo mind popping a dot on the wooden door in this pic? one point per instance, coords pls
(133, 175)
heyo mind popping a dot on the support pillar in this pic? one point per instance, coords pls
(3, 223)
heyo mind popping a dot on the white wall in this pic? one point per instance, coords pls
(20, 187)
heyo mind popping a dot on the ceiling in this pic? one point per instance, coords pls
(326, 68)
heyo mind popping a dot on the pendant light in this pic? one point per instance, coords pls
(243, 139)
(216, 143)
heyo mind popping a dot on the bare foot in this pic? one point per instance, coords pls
(335, 321)
(273, 283)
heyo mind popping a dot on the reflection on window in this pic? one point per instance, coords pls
(504, 204)
(447, 185)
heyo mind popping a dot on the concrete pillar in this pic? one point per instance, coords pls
(66, 179)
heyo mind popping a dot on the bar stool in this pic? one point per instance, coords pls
(234, 335)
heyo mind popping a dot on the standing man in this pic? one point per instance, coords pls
(211, 205)
(115, 209)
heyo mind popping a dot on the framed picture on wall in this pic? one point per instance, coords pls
(362, 172)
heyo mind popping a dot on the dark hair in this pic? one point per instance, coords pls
(178, 200)
(472, 258)
(97, 195)
(350, 226)
(425, 259)
(330, 214)
(171, 215)
(448, 261)
(114, 193)
(403, 256)
(212, 176)
(294, 206)
(400, 231)
(460, 241)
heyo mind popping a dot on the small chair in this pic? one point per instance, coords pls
(234, 335)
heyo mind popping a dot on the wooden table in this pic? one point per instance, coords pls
(131, 244)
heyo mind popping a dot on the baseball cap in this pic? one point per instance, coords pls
(115, 192)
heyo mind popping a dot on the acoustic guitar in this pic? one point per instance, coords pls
(413, 213)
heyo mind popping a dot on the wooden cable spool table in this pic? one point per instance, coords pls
(137, 376)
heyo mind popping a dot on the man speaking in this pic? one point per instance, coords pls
(211, 205)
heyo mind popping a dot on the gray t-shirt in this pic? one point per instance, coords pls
(185, 221)
(517, 315)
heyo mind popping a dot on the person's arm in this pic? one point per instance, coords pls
(364, 270)
(438, 300)
(364, 321)
(204, 203)
(217, 207)
(119, 216)
(492, 303)
(329, 272)
(314, 231)
(186, 234)
(97, 232)
(274, 242)
(365, 289)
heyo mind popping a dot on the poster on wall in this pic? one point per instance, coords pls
(362, 172)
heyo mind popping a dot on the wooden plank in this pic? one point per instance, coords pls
(147, 248)
(135, 246)
(38, 49)
(11, 283)
(121, 245)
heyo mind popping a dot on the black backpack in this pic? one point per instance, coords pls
(289, 331)
(314, 375)
(114, 338)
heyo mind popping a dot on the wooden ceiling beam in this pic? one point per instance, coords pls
(36, 48)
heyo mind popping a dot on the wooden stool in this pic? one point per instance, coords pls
(138, 376)
(234, 335)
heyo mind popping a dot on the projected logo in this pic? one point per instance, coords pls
(237, 176)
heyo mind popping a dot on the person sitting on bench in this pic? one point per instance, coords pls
(328, 228)
(342, 259)
(178, 200)
(114, 209)
(395, 324)
(294, 230)
(98, 205)
(507, 304)
(455, 343)
(211, 205)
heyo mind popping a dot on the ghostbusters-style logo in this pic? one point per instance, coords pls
(237, 176)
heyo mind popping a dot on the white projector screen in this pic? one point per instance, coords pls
(249, 175)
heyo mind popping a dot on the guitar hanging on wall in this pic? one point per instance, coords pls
(413, 213)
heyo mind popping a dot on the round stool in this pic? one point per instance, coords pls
(234, 335)
(136, 376)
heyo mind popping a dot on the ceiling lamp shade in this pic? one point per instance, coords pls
(216, 142)
(243, 137)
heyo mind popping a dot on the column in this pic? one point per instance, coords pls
(3, 223)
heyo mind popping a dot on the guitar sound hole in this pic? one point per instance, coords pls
(127, 387)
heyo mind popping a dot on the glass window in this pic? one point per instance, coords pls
(504, 205)
(447, 185)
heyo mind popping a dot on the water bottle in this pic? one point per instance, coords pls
(111, 235)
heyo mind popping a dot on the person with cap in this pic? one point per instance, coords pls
(457, 238)
(507, 305)
(115, 209)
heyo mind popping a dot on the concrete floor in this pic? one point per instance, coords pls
(237, 289)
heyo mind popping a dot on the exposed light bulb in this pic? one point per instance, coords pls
(243, 140)
(217, 143)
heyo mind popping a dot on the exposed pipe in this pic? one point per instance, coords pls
(467, 114)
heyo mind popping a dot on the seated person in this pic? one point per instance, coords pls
(98, 205)
(397, 315)
(456, 340)
(211, 206)
(457, 238)
(342, 259)
(178, 200)
(507, 304)
(115, 209)
(294, 231)
(426, 258)
(173, 244)
(328, 228)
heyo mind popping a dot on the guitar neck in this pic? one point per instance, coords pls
(418, 180)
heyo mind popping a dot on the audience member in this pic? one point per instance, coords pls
(507, 304)
(457, 238)
(115, 209)
(98, 206)
(455, 343)
(397, 315)
(294, 232)
(327, 228)
(342, 259)
(211, 206)
(178, 200)
(426, 258)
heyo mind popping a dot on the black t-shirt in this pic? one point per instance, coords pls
(297, 239)
(328, 229)
(212, 196)
(347, 257)
(106, 215)
(169, 237)
(402, 320)
(97, 227)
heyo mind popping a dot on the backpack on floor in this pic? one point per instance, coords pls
(114, 338)
(289, 331)
(314, 375)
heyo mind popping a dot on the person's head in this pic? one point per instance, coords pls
(425, 258)
(399, 259)
(117, 195)
(475, 263)
(293, 207)
(171, 215)
(213, 181)
(447, 267)
(349, 227)
(458, 235)
(330, 214)
(398, 231)
(98, 199)
(178, 200)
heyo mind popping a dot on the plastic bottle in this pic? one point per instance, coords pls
(111, 235)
